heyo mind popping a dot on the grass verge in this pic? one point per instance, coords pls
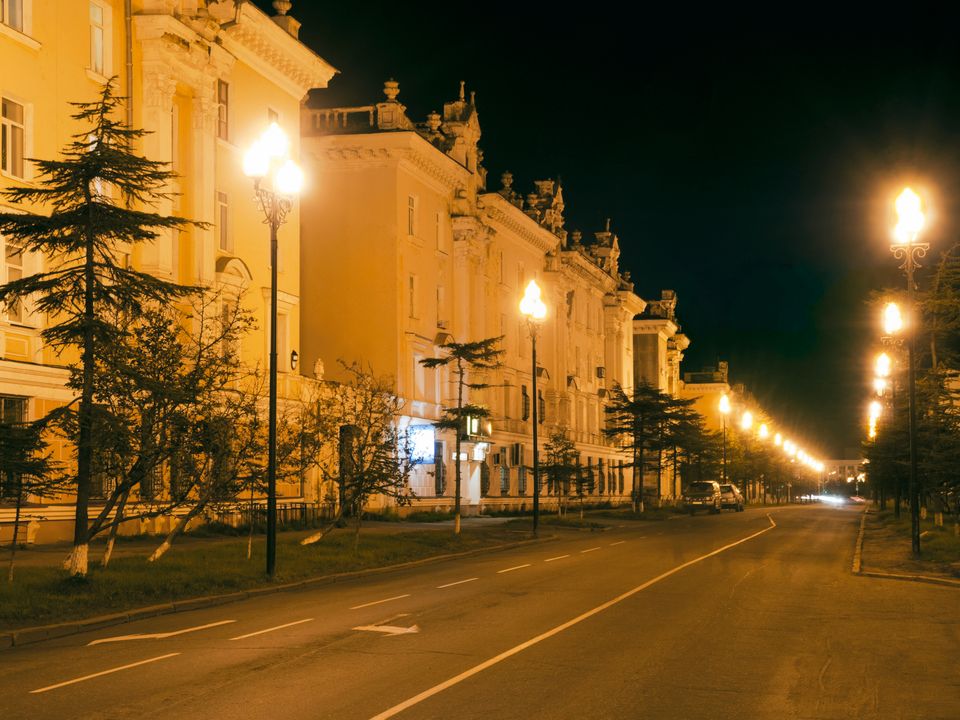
(46, 595)
(886, 546)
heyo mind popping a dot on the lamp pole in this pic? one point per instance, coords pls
(724, 407)
(533, 309)
(268, 159)
(907, 248)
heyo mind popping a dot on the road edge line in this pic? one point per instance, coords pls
(858, 548)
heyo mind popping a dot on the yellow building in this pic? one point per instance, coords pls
(205, 78)
(404, 248)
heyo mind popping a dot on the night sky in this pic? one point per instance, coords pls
(746, 161)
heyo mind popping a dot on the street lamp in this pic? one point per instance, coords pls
(534, 310)
(276, 181)
(892, 319)
(910, 222)
(724, 408)
(762, 432)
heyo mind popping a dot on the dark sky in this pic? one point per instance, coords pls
(746, 160)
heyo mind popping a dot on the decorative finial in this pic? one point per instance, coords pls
(463, 84)
(282, 6)
(576, 236)
(473, 97)
(433, 121)
(391, 88)
(507, 180)
(608, 225)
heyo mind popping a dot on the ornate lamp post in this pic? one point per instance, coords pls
(533, 309)
(906, 247)
(276, 181)
(724, 408)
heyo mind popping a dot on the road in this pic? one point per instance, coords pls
(742, 615)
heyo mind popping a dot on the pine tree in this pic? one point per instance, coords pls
(561, 465)
(482, 355)
(99, 196)
(635, 421)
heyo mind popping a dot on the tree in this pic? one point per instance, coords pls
(25, 469)
(561, 465)
(375, 456)
(479, 356)
(634, 422)
(685, 436)
(99, 195)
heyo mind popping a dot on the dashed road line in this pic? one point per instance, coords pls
(511, 569)
(458, 582)
(101, 673)
(378, 602)
(589, 549)
(618, 542)
(276, 627)
(558, 557)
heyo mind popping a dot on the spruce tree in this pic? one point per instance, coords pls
(481, 355)
(101, 196)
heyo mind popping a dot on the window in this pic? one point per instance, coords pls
(441, 307)
(439, 231)
(223, 108)
(11, 137)
(12, 410)
(411, 215)
(223, 223)
(13, 258)
(97, 37)
(521, 480)
(175, 136)
(11, 14)
(504, 480)
(541, 407)
(412, 296)
(524, 403)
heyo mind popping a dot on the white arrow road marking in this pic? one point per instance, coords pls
(102, 672)
(157, 636)
(276, 627)
(458, 582)
(390, 629)
(515, 567)
(377, 602)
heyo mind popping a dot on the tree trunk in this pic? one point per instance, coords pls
(114, 526)
(316, 537)
(456, 462)
(78, 558)
(16, 528)
(250, 534)
(356, 534)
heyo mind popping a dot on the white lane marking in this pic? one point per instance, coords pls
(102, 672)
(377, 602)
(558, 557)
(589, 550)
(619, 542)
(771, 519)
(276, 627)
(456, 679)
(511, 569)
(157, 636)
(390, 629)
(458, 582)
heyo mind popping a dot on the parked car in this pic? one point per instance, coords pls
(703, 494)
(730, 497)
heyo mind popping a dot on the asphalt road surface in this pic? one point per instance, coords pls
(742, 615)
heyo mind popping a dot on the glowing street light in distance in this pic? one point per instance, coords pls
(892, 319)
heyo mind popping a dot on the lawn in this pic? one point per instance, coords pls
(44, 594)
(887, 545)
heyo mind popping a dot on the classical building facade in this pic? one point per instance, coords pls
(433, 256)
(204, 78)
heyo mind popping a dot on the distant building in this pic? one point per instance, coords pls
(707, 387)
(404, 248)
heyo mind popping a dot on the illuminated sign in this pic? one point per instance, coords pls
(422, 438)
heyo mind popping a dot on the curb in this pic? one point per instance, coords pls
(29, 635)
(858, 566)
(912, 578)
(858, 548)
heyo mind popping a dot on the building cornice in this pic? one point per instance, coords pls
(664, 326)
(266, 47)
(496, 208)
